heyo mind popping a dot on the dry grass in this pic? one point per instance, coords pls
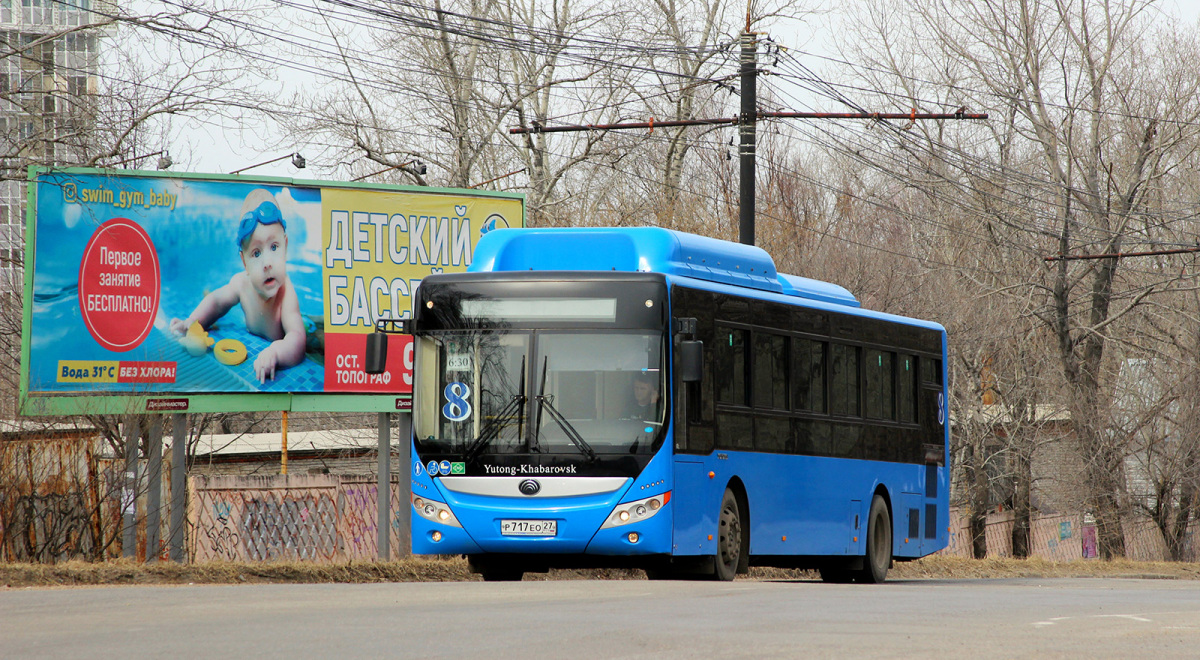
(454, 569)
(962, 568)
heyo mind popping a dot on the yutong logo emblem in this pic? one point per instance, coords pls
(530, 487)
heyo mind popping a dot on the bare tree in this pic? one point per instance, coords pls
(1090, 131)
(456, 76)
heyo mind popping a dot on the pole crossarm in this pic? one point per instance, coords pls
(732, 121)
(873, 115)
(1120, 255)
(746, 123)
(622, 126)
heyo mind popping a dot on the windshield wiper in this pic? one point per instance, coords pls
(491, 430)
(567, 428)
(572, 434)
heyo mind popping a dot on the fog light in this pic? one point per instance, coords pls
(436, 536)
(633, 537)
(624, 515)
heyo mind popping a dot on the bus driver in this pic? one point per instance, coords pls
(645, 397)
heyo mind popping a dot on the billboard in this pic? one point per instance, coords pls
(165, 288)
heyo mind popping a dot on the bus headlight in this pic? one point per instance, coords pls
(435, 511)
(632, 512)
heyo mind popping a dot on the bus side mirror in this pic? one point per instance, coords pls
(691, 361)
(375, 361)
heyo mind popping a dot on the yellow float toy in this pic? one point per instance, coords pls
(230, 351)
(196, 341)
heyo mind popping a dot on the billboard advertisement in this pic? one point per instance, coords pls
(182, 284)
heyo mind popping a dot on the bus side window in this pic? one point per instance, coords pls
(879, 381)
(906, 388)
(931, 371)
(808, 374)
(731, 365)
(770, 371)
(843, 380)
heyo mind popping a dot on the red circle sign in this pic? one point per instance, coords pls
(119, 285)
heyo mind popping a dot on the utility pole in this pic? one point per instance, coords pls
(746, 121)
(747, 124)
(133, 436)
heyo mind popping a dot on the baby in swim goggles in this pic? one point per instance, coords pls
(263, 289)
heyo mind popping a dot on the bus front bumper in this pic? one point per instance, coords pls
(578, 523)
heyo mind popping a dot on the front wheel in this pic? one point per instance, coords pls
(879, 543)
(731, 539)
(494, 570)
(503, 575)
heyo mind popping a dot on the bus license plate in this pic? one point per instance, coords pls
(529, 527)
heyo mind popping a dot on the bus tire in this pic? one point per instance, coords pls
(493, 569)
(836, 574)
(731, 539)
(664, 574)
(879, 544)
(502, 575)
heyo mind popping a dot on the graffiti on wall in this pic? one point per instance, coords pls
(48, 526)
(54, 497)
(323, 518)
(219, 535)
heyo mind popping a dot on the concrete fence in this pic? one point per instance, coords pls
(322, 518)
(60, 499)
(1065, 537)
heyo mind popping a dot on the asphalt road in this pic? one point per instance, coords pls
(1043, 618)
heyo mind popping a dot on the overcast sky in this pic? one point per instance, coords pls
(199, 148)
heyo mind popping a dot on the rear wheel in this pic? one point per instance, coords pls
(836, 574)
(731, 539)
(879, 543)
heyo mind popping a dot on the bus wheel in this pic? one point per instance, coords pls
(663, 574)
(494, 570)
(836, 574)
(502, 575)
(879, 543)
(731, 541)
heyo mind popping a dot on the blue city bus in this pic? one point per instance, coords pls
(641, 397)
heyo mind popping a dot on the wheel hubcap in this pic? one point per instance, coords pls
(879, 543)
(731, 536)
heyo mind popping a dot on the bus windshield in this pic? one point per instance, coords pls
(539, 391)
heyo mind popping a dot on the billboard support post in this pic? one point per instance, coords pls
(283, 446)
(178, 484)
(153, 487)
(404, 514)
(383, 491)
(129, 491)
